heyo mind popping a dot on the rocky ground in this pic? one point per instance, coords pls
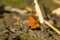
(15, 27)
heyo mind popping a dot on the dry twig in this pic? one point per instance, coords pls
(38, 10)
(51, 26)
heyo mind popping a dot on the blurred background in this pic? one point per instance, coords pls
(14, 18)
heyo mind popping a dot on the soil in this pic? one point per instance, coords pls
(11, 29)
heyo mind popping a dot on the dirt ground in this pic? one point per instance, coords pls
(11, 29)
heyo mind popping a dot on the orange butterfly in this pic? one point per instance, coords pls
(33, 23)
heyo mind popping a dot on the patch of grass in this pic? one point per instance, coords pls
(14, 3)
